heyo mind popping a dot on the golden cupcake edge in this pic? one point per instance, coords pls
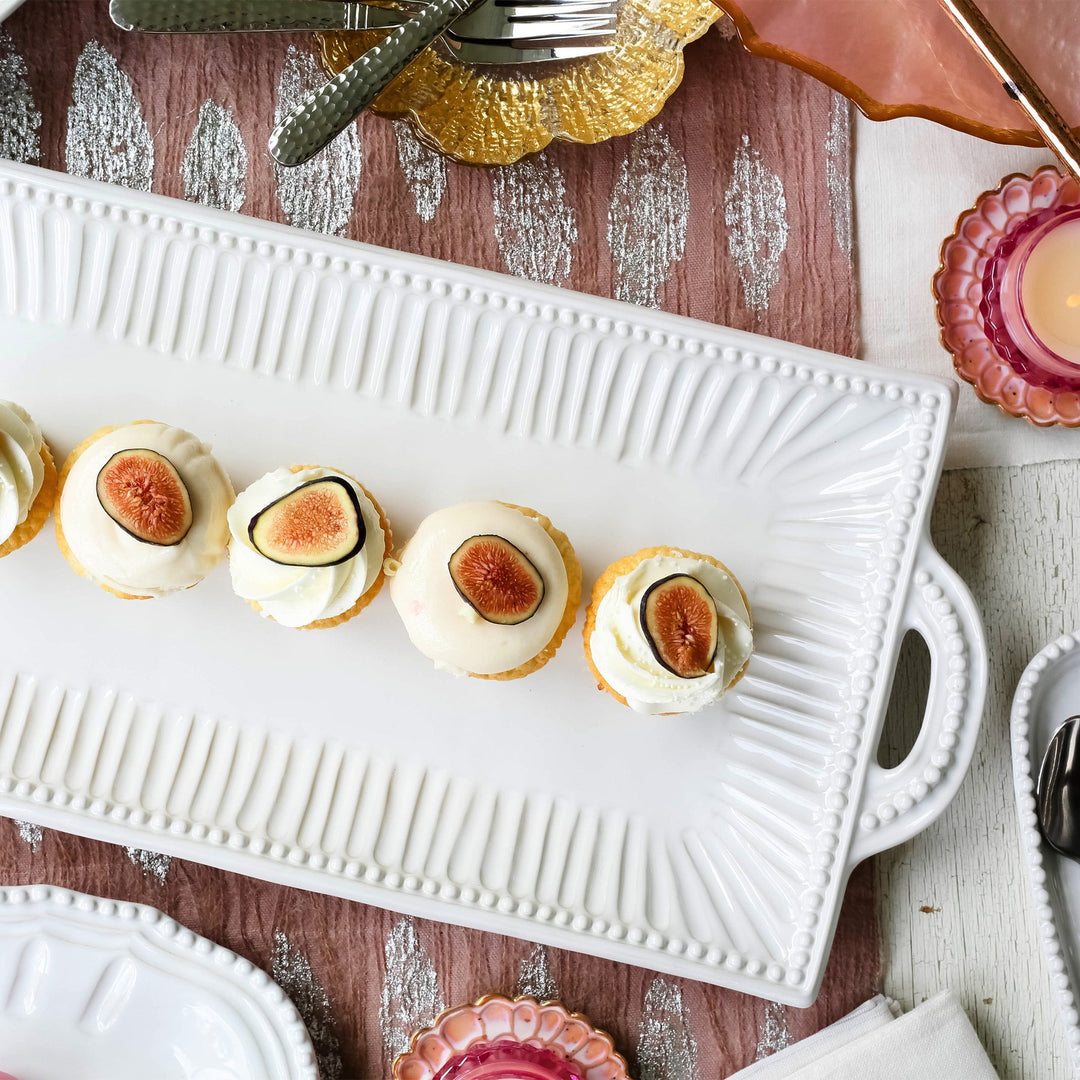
(61, 539)
(375, 588)
(40, 508)
(573, 598)
(626, 565)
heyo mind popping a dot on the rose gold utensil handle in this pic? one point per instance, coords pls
(1019, 85)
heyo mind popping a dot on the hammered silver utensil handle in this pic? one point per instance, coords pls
(310, 126)
(216, 16)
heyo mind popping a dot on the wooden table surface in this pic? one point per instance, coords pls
(955, 903)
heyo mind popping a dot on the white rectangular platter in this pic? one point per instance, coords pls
(714, 846)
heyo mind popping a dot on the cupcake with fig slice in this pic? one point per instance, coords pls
(141, 509)
(308, 545)
(487, 589)
(668, 630)
(27, 478)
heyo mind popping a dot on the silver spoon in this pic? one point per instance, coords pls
(1057, 795)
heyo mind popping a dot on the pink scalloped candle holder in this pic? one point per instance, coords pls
(970, 288)
(498, 1038)
(1005, 319)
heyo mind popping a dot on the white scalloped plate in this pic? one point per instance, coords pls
(1048, 694)
(99, 989)
(715, 846)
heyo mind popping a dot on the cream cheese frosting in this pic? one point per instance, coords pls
(22, 469)
(299, 595)
(115, 558)
(447, 629)
(622, 654)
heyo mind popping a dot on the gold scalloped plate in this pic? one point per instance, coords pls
(497, 115)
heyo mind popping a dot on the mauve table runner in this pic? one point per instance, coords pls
(733, 206)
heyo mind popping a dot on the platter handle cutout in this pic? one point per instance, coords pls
(897, 803)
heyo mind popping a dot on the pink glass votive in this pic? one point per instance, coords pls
(1031, 298)
(509, 1059)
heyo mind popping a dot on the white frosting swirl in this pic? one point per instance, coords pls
(298, 595)
(21, 467)
(442, 625)
(111, 555)
(622, 654)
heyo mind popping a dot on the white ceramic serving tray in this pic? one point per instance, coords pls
(1047, 695)
(113, 991)
(714, 846)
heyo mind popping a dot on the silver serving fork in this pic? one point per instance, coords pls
(482, 52)
(248, 16)
(310, 126)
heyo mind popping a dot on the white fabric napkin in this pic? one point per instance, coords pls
(913, 179)
(879, 1042)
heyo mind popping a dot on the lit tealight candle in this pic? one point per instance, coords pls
(1050, 289)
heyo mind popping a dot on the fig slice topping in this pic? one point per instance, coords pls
(678, 616)
(143, 493)
(318, 523)
(497, 579)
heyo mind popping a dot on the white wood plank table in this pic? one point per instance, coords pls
(955, 904)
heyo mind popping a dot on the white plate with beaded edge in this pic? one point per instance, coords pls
(108, 990)
(1046, 696)
(715, 846)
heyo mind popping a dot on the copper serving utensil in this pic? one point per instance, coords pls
(1017, 81)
